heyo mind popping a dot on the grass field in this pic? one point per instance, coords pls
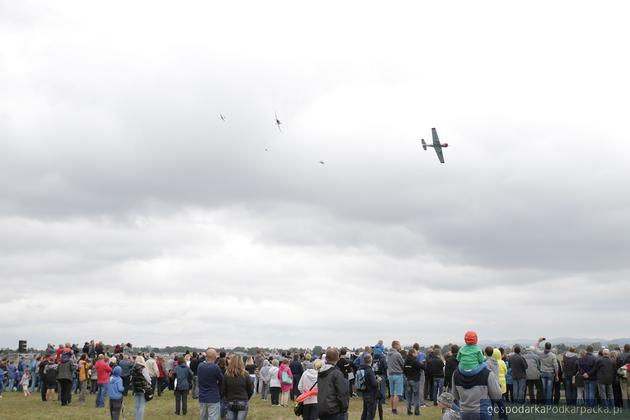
(14, 406)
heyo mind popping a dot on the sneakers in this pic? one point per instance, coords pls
(417, 412)
(409, 411)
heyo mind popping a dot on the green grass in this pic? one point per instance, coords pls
(14, 406)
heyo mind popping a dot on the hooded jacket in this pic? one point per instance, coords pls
(475, 392)
(496, 355)
(184, 377)
(548, 362)
(283, 386)
(333, 395)
(395, 363)
(569, 364)
(103, 370)
(264, 371)
(115, 386)
(307, 380)
(412, 369)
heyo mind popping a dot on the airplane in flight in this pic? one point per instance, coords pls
(222, 117)
(278, 122)
(436, 145)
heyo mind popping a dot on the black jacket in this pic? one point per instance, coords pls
(237, 388)
(435, 367)
(333, 395)
(296, 369)
(519, 366)
(604, 370)
(570, 365)
(412, 369)
(450, 368)
(344, 366)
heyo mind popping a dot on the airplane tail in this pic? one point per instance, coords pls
(424, 145)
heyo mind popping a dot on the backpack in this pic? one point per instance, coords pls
(50, 372)
(137, 380)
(622, 372)
(360, 381)
(379, 365)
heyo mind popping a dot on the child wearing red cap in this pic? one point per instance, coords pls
(470, 356)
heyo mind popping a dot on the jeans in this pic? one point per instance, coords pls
(589, 393)
(115, 407)
(100, 395)
(34, 382)
(569, 391)
(238, 415)
(209, 411)
(518, 386)
(413, 394)
(547, 385)
(264, 389)
(181, 399)
(438, 383)
(139, 403)
(421, 387)
(606, 395)
(10, 384)
(195, 387)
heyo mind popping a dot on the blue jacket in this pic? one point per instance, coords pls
(115, 386)
(209, 377)
(184, 377)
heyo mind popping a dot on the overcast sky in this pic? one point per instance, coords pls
(130, 212)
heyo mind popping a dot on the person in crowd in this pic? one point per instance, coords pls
(286, 382)
(250, 367)
(345, 366)
(604, 371)
(24, 382)
(126, 365)
(450, 364)
(446, 402)
(586, 364)
(475, 391)
(548, 369)
(509, 396)
(307, 363)
(423, 361)
(64, 375)
(162, 382)
(183, 379)
(93, 378)
(154, 371)
(210, 379)
(33, 369)
(579, 382)
(115, 389)
(518, 366)
(618, 402)
(570, 370)
(274, 383)
(2, 374)
(264, 377)
(308, 381)
(194, 364)
(140, 381)
(333, 397)
(296, 370)
(533, 383)
(502, 372)
(84, 376)
(435, 367)
(103, 372)
(395, 365)
(412, 371)
(237, 388)
(624, 382)
(41, 369)
(470, 357)
(50, 373)
(368, 386)
(378, 349)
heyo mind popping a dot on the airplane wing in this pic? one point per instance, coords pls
(436, 145)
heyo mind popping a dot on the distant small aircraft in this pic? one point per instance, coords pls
(278, 122)
(436, 145)
(222, 117)
(321, 161)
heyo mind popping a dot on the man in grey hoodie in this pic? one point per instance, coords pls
(548, 368)
(533, 376)
(395, 367)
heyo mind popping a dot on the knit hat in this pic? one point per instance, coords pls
(470, 337)
(446, 398)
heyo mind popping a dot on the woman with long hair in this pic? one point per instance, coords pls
(237, 388)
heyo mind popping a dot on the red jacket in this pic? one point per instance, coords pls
(103, 371)
(285, 368)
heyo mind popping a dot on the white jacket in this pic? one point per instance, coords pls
(307, 380)
(274, 382)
